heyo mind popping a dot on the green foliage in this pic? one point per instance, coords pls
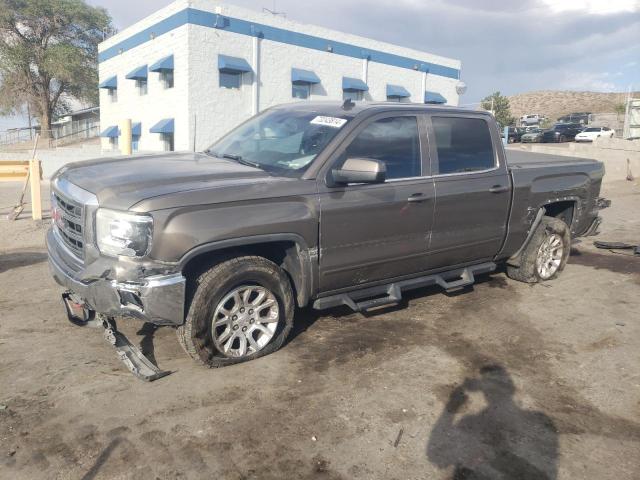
(48, 55)
(501, 109)
(620, 108)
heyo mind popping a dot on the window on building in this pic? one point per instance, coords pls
(113, 95)
(230, 80)
(301, 90)
(463, 144)
(355, 95)
(393, 140)
(113, 143)
(166, 78)
(141, 85)
(135, 142)
(167, 141)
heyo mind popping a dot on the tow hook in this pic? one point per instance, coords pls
(131, 355)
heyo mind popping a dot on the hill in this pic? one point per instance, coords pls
(554, 104)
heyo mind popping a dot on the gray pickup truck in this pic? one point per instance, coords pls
(320, 204)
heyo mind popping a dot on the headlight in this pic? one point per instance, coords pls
(120, 233)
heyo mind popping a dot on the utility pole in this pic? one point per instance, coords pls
(29, 116)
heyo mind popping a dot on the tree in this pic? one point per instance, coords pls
(48, 55)
(620, 109)
(500, 108)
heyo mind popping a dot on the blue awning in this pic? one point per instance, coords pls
(396, 91)
(139, 73)
(136, 129)
(303, 76)
(110, 83)
(353, 85)
(233, 65)
(162, 65)
(163, 126)
(434, 97)
(110, 132)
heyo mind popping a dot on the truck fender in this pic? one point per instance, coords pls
(514, 260)
(298, 262)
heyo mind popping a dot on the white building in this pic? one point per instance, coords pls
(192, 71)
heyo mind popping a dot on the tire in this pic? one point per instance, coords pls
(511, 140)
(530, 269)
(205, 344)
(562, 139)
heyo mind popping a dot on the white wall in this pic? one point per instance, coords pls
(201, 107)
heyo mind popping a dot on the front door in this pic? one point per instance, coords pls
(473, 191)
(378, 231)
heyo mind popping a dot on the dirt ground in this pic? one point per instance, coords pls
(505, 380)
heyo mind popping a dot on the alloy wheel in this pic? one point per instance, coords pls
(245, 320)
(549, 256)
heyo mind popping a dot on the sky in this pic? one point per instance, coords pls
(509, 46)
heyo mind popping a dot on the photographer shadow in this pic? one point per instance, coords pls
(501, 441)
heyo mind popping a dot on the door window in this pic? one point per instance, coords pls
(393, 140)
(463, 145)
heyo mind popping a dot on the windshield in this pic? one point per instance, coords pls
(592, 129)
(282, 141)
(561, 127)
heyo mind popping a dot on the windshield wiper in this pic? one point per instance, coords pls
(241, 160)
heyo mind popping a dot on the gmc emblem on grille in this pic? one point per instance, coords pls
(56, 216)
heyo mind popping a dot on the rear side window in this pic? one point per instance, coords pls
(393, 140)
(463, 144)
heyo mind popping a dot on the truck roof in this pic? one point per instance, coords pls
(335, 108)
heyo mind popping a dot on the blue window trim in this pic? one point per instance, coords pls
(110, 83)
(434, 98)
(110, 132)
(202, 18)
(163, 126)
(140, 73)
(397, 91)
(299, 76)
(354, 85)
(162, 65)
(229, 64)
(136, 129)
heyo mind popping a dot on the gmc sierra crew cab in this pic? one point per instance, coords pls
(309, 204)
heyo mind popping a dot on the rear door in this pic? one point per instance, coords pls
(378, 231)
(473, 190)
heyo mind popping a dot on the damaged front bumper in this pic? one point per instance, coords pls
(157, 299)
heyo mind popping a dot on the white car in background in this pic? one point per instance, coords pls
(589, 134)
(531, 119)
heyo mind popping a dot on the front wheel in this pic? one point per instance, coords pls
(546, 254)
(241, 309)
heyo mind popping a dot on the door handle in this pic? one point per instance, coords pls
(499, 189)
(416, 198)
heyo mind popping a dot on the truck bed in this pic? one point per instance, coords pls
(539, 179)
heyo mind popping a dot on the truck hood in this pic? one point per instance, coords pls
(122, 183)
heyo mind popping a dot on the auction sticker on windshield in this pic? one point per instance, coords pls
(334, 122)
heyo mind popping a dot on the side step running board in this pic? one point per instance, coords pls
(391, 294)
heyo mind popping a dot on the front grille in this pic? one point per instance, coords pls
(68, 218)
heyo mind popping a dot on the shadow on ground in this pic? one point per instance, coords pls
(11, 260)
(500, 441)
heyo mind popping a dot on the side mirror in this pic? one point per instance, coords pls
(360, 170)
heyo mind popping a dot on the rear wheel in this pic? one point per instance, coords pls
(546, 254)
(241, 309)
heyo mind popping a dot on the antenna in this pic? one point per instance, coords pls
(348, 104)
